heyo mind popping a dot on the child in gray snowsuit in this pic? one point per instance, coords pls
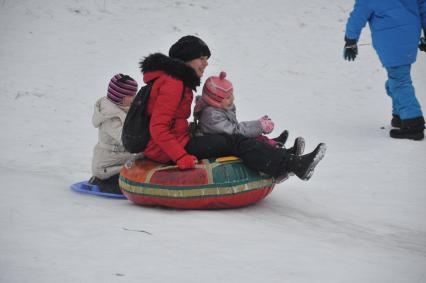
(109, 114)
(215, 113)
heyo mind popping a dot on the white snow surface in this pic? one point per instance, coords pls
(361, 218)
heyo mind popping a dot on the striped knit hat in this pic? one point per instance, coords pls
(120, 86)
(215, 89)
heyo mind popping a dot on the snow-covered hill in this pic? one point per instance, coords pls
(359, 219)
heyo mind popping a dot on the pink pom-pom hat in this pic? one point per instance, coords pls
(216, 88)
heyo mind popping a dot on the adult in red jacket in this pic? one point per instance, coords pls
(169, 106)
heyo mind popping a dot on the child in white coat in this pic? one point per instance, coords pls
(109, 114)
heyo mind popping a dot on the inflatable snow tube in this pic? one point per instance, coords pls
(213, 184)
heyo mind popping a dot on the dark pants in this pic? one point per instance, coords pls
(255, 154)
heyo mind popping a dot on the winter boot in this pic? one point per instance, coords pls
(412, 129)
(396, 121)
(281, 139)
(109, 185)
(303, 166)
(298, 147)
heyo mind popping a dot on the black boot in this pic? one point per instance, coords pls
(109, 185)
(303, 166)
(396, 121)
(298, 147)
(281, 139)
(412, 129)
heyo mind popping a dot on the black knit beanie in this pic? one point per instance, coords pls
(188, 48)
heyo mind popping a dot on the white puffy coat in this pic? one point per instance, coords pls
(109, 154)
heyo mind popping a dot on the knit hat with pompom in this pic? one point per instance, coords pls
(216, 88)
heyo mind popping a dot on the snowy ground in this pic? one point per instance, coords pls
(361, 218)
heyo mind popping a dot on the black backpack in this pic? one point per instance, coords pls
(135, 135)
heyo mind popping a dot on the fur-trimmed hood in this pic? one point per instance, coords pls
(173, 67)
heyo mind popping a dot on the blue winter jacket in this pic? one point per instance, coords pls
(395, 27)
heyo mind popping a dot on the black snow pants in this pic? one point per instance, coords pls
(255, 154)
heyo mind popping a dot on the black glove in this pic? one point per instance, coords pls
(351, 49)
(422, 44)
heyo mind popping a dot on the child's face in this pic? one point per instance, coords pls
(228, 102)
(127, 100)
(199, 65)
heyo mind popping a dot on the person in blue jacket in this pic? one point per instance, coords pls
(395, 30)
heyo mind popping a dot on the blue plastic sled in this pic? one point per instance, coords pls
(86, 188)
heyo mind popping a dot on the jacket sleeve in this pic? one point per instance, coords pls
(358, 18)
(214, 121)
(250, 129)
(422, 9)
(163, 116)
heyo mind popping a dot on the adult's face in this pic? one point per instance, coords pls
(199, 65)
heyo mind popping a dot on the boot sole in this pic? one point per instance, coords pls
(301, 146)
(415, 137)
(318, 157)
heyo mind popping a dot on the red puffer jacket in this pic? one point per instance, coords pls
(168, 109)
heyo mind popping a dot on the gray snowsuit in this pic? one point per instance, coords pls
(212, 120)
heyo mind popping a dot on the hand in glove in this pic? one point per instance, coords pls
(267, 124)
(422, 44)
(351, 49)
(186, 162)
